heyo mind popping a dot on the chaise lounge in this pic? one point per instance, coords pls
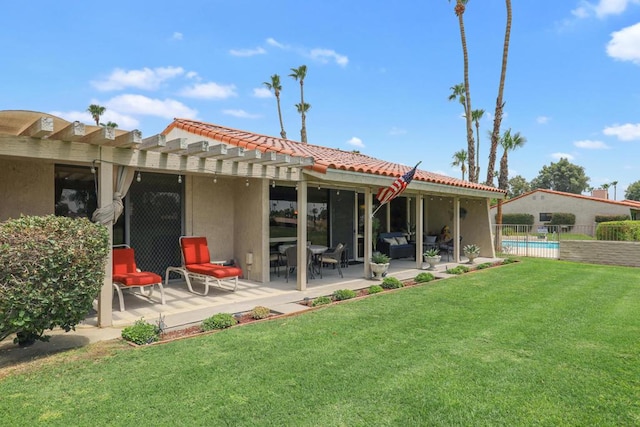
(127, 275)
(197, 264)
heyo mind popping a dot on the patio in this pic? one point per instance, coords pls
(183, 308)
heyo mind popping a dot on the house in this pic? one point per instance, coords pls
(543, 203)
(245, 192)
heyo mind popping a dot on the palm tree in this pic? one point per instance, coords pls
(299, 74)
(109, 124)
(615, 188)
(457, 93)
(459, 159)
(509, 143)
(476, 116)
(96, 111)
(302, 110)
(606, 187)
(459, 10)
(495, 136)
(276, 87)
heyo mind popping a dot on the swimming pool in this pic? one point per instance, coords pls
(530, 244)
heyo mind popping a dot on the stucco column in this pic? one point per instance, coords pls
(105, 197)
(419, 211)
(456, 230)
(368, 232)
(302, 235)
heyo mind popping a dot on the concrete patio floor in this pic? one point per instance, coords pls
(183, 308)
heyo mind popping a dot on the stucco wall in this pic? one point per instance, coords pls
(228, 213)
(585, 210)
(601, 252)
(26, 188)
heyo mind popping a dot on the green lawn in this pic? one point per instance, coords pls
(540, 342)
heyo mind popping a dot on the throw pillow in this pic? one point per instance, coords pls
(401, 240)
(391, 241)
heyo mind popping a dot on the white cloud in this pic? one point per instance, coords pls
(356, 142)
(591, 145)
(177, 36)
(209, 91)
(625, 44)
(543, 120)
(559, 156)
(325, 55)
(192, 75)
(124, 122)
(248, 52)
(397, 131)
(241, 114)
(146, 78)
(602, 8)
(262, 92)
(139, 104)
(626, 132)
(274, 43)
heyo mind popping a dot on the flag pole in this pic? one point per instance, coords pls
(408, 176)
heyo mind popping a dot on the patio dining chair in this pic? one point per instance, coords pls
(291, 254)
(197, 264)
(127, 275)
(334, 258)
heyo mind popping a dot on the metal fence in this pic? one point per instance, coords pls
(545, 241)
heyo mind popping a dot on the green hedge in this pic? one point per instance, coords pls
(628, 231)
(52, 270)
(609, 218)
(562, 218)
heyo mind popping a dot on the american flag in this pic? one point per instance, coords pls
(386, 194)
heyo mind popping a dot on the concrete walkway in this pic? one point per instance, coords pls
(183, 308)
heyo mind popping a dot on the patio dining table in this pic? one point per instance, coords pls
(317, 251)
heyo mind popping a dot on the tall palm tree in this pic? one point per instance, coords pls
(497, 120)
(509, 142)
(302, 110)
(615, 188)
(276, 87)
(299, 74)
(459, 159)
(476, 116)
(457, 94)
(96, 111)
(606, 187)
(459, 10)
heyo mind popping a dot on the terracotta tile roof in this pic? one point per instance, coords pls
(629, 203)
(324, 157)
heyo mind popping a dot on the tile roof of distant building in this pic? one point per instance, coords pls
(629, 203)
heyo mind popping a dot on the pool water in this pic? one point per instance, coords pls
(530, 244)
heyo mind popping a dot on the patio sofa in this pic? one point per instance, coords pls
(395, 245)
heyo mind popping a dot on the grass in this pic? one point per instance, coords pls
(540, 342)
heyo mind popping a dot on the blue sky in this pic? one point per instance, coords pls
(378, 80)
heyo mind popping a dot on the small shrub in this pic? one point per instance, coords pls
(323, 300)
(218, 321)
(260, 312)
(141, 333)
(461, 269)
(424, 277)
(343, 294)
(391, 283)
(508, 261)
(484, 265)
(374, 289)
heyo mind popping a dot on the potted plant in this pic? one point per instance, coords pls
(432, 257)
(471, 252)
(379, 264)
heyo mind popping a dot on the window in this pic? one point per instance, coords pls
(283, 215)
(545, 217)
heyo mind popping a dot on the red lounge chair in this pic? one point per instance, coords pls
(197, 264)
(127, 275)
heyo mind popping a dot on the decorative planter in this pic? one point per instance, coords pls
(378, 270)
(471, 256)
(432, 261)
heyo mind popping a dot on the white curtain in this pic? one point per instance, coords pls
(122, 181)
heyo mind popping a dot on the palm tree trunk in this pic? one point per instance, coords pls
(283, 134)
(471, 149)
(495, 135)
(303, 130)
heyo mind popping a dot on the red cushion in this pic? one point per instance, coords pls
(215, 270)
(195, 250)
(137, 279)
(124, 261)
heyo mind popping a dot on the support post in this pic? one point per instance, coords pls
(302, 235)
(105, 196)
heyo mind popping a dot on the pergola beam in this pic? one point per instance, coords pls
(101, 136)
(73, 132)
(41, 127)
